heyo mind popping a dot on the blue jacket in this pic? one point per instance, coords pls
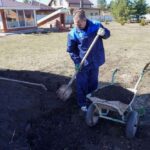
(80, 40)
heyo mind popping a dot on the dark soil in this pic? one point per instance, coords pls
(115, 93)
(41, 121)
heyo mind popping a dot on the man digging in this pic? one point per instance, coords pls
(79, 40)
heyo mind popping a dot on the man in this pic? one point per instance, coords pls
(79, 40)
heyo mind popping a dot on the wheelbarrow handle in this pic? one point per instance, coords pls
(88, 51)
(142, 74)
(146, 66)
(113, 75)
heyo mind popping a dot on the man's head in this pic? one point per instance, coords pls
(79, 19)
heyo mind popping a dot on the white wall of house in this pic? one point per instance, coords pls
(60, 3)
(94, 2)
(0, 3)
(78, 5)
(65, 4)
(92, 12)
(1, 24)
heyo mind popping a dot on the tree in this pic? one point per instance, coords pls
(148, 10)
(140, 6)
(120, 9)
(26, 1)
(101, 4)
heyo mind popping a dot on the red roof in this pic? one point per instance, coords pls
(12, 4)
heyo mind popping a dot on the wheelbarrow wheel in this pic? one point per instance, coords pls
(132, 123)
(92, 116)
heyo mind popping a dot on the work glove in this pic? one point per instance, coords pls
(77, 67)
(101, 32)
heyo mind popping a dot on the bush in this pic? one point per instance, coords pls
(143, 22)
(106, 22)
(122, 21)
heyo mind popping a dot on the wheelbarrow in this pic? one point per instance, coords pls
(101, 107)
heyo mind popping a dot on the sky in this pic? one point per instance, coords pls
(94, 1)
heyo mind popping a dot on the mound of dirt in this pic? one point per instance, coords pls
(32, 118)
(114, 93)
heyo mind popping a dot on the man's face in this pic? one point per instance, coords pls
(79, 23)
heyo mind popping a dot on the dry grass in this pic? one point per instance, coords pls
(128, 49)
(33, 52)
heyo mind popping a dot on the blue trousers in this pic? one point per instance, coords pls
(86, 82)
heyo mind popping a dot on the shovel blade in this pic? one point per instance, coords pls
(64, 92)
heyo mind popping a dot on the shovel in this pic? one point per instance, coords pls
(65, 90)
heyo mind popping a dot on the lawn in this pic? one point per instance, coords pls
(127, 48)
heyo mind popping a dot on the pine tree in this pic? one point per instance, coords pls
(140, 6)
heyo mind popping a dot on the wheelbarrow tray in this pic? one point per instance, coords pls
(112, 97)
(110, 105)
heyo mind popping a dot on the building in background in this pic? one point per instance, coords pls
(94, 2)
(71, 5)
(15, 16)
(43, 10)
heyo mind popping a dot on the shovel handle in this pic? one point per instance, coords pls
(81, 64)
(89, 50)
(71, 80)
(146, 66)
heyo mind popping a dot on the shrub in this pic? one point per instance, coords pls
(122, 20)
(106, 22)
(143, 22)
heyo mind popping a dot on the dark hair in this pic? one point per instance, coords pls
(79, 14)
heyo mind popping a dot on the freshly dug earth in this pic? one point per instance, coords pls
(115, 93)
(34, 119)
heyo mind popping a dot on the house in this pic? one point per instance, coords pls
(15, 16)
(73, 4)
(55, 20)
(92, 12)
(43, 10)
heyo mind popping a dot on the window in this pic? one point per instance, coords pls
(61, 2)
(55, 3)
(1, 24)
(21, 18)
(12, 18)
(29, 18)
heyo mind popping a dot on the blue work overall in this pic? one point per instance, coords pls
(78, 43)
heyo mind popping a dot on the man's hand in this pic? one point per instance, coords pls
(77, 67)
(101, 32)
